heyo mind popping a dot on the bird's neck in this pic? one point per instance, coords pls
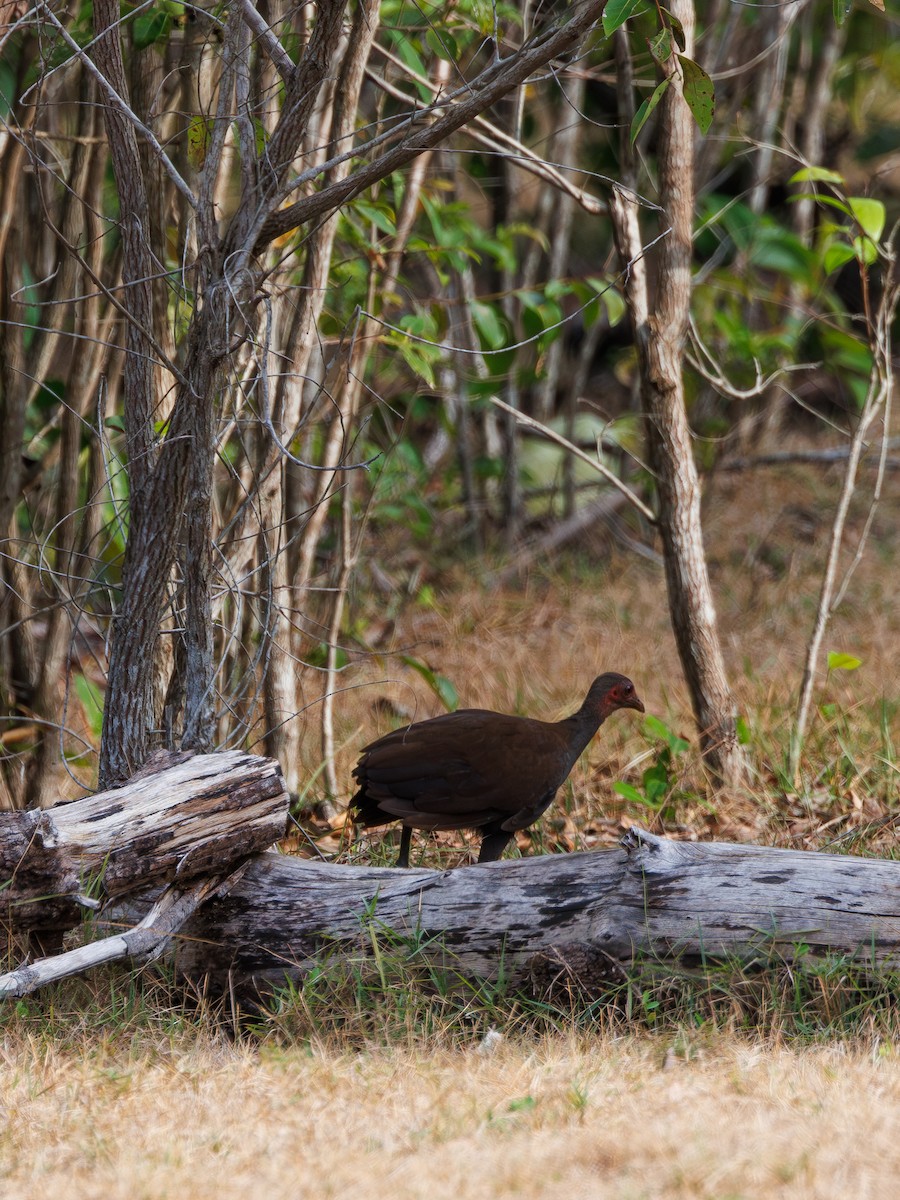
(579, 729)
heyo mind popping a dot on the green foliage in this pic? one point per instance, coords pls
(617, 12)
(149, 26)
(664, 46)
(842, 662)
(318, 656)
(442, 687)
(400, 482)
(491, 326)
(647, 107)
(199, 135)
(856, 240)
(776, 267)
(659, 781)
(91, 698)
(418, 350)
(698, 91)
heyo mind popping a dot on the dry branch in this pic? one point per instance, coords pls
(681, 903)
(148, 939)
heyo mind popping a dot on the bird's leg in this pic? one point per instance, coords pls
(405, 839)
(492, 846)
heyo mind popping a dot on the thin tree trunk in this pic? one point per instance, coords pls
(877, 405)
(660, 336)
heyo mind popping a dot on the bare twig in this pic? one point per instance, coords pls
(268, 40)
(877, 403)
(834, 454)
(599, 467)
(714, 375)
(418, 132)
(119, 102)
(491, 136)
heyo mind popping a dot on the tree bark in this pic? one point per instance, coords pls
(681, 904)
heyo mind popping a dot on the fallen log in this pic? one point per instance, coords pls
(183, 817)
(144, 942)
(680, 903)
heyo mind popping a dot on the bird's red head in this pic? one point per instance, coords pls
(612, 691)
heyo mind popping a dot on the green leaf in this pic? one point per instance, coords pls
(541, 318)
(836, 255)
(628, 792)
(443, 45)
(640, 117)
(260, 136)
(151, 26)
(488, 323)
(677, 29)
(831, 201)
(199, 135)
(380, 217)
(657, 728)
(317, 656)
(661, 45)
(840, 8)
(866, 251)
(91, 698)
(617, 12)
(869, 215)
(447, 692)
(777, 249)
(842, 662)
(816, 175)
(615, 305)
(611, 298)
(439, 684)
(698, 91)
(483, 13)
(7, 89)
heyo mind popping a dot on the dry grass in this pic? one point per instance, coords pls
(110, 1093)
(564, 1117)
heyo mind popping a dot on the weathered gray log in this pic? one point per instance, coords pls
(682, 903)
(145, 941)
(183, 817)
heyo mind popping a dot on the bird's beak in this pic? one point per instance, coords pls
(637, 703)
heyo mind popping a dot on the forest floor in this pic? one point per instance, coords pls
(115, 1087)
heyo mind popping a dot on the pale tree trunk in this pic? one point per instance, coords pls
(659, 335)
(292, 568)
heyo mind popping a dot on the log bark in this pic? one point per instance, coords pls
(680, 904)
(183, 817)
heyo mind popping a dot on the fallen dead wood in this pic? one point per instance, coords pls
(145, 941)
(680, 903)
(184, 817)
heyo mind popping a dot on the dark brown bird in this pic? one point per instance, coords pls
(475, 769)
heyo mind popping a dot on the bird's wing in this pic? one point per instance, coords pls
(460, 769)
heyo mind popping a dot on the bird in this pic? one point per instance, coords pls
(477, 769)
